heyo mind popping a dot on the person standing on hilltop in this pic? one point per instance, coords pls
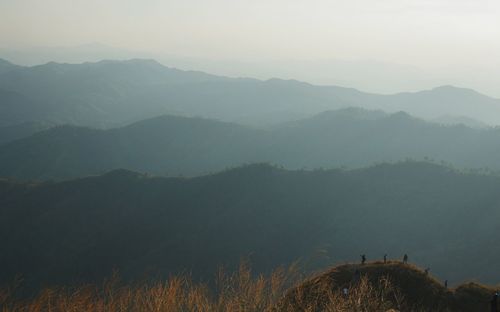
(405, 259)
(363, 259)
(385, 258)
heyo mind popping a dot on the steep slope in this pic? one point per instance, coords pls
(82, 229)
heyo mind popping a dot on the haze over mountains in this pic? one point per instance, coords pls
(248, 121)
(92, 126)
(359, 72)
(111, 93)
(249, 156)
(170, 145)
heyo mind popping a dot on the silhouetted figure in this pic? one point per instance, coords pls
(446, 284)
(494, 303)
(427, 271)
(385, 258)
(363, 259)
(405, 259)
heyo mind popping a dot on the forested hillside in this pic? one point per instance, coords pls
(82, 229)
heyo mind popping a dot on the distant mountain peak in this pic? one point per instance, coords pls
(141, 61)
(454, 90)
(447, 87)
(287, 82)
(402, 115)
(52, 68)
(64, 66)
(448, 90)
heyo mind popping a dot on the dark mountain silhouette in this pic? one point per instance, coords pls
(191, 146)
(111, 93)
(82, 229)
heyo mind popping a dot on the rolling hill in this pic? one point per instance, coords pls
(170, 145)
(164, 145)
(80, 230)
(406, 288)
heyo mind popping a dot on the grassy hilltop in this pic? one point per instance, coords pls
(378, 287)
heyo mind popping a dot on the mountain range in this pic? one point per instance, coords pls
(152, 171)
(115, 93)
(173, 146)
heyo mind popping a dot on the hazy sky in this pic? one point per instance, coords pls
(460, 34)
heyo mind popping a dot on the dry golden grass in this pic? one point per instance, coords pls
(362, 296)
(237, 292)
